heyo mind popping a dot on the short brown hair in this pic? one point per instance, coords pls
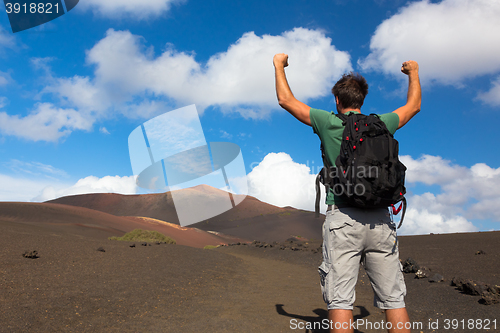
(351, 90)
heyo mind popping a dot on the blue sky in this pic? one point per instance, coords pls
(72, 90)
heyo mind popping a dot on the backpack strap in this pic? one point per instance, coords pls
(324, 174)
(403, 213)
(342, 117)
(322, 177)
(318, 195)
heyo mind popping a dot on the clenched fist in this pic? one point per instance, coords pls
(280, 59)
(409, 66)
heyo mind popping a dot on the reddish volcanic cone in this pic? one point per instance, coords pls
(250, 219)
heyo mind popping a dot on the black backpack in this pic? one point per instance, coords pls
(367, 172)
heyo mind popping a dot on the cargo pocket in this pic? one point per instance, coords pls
(323, 270)
(338, 235)
(339, 223)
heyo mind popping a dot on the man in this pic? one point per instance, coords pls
(353, 235)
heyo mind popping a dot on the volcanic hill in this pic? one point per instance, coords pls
(251, 219)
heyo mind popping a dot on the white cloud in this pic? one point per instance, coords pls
(482, 185)
(431, 170)
(42, 64)
(491, 97)
(420, 221)
(466, 193)
(45, 123)
(427, 213)
(81, 93)
(6, 39)
(238, 80)
(103, 130)
(35, 169)
(452, 40)
(225, 135)
(472, 192)
(132, 81)
(40, 182)
(280, 181)
(5, 78)
(91, 184)
(21, 188)
(136, 9)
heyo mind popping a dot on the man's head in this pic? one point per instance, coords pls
(350, 91)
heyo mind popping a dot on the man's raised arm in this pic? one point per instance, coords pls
(285, 97)
(414, 97)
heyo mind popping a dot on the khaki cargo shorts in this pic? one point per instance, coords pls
(368, 236)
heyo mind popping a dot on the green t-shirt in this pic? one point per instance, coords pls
(329, 129)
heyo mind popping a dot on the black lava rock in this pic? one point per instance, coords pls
(457, 281)
(31, 254)
(410, 266)
(436, 278)
(423, 273)
(469, 287)
(494, 290)
(488, 298)
(474, 287)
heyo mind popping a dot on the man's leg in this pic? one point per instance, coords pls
(340, 321)
(399, 320)
(384, 269)
(342, 245)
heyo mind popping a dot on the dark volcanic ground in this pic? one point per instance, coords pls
(72, 287)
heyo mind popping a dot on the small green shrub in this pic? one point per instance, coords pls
(139, 235)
